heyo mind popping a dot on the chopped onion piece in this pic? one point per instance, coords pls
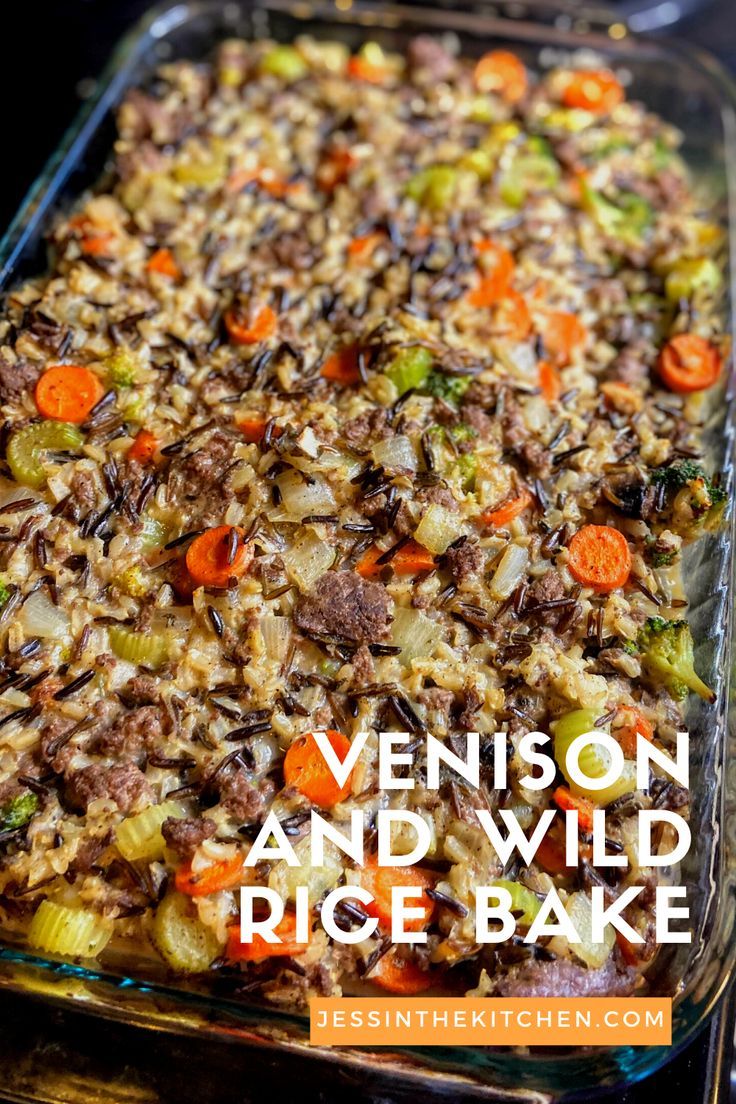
(438, 529)
(510, 571)
(300, 498)
(40, 617)
(396, 454)
(276, 633)
(594, 955)
(308, 560)
(415, 634)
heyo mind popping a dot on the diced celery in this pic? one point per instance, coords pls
(410, 368)
(27, 446)
(146, 649)
(122, 368)
(180, 937)
(154, 535)
(284, 62)
(524, 903)
(691, 275)
(73, 932)
(594, 760)
(139, 837)
(434, 187)
(532, 171)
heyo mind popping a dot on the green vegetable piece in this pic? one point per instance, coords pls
(17, 812)
(122, 368)
(687, 480)
(284, 62)
(533, 170)
(689, 276)
(144, 649)
(410, 368)
(4, 592)
(27, 446)
(467, 467)
(154, 535)
(667, 648)
(434, 187)
(627, 219)
(479, 162)
(524, 904)
(658, 556)
(449, 388)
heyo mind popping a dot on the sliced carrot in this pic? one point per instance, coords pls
(562, 334)
(259, 948)
(254, 427)
(689, 363)
(306, 770)
(513, 319)
(361, 69)
(342, 366)
(570, 802)
(411, 559)
(497, 267)
(400, 975)
(504, 514)
(629, 723)
(143, 448)
(68, 392)
(239, 179)
(207, 557)
(335, 168)
(225, 874)
(549, 381)
(97, 244)
(599, 557)
(182, 582)
(501, 72)
(380, 880)
(551, 852)
(258, 327)
(593, 90)
(162, 261)
(362, 249)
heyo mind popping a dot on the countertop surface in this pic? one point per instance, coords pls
(50, 1055)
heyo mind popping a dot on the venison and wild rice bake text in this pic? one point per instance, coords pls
(364, 395)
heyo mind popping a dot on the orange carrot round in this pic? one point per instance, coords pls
(361, 68)
(629, 723)
(593, 90)
(411, 559)
(600, 557)
(501, 72)
(570, 802)
(162, 262)
(342, 366)
(306, 770)
(689, 363)
(225, 874)
(562, 333)
(549, 381)
(380, 880)
(97, 243)
(259, 949)
(362, 249)
(400, 975)
(513, 319)
(68, 392)
(258, 327)
(207, 557)
(143, 448)
(497, 270)
(504, 514)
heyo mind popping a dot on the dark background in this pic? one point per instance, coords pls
(53, 51)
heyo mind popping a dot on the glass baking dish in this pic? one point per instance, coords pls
(690, 91)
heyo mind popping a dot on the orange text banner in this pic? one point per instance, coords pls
(499, 1021)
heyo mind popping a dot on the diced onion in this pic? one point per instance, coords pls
(510, 571)
(593, 760)
(308, 560)
(415, 634)
(139, 837)
(276, 633)
(318, 879)
(180, 937)
(438, 529)
(580, 911)
(74, 932)
(301, 498)
(396, 454)
(524, 904)
(40, 617)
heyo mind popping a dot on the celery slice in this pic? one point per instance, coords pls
(139, 837)
(524, 903)
(180, 937)
(410, 368)
(75, 932)
(284, 62)
(146, 649)
(27, 446)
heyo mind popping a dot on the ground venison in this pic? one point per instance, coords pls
(241, 798)
(373, 425)
(184, 835)
(134, 734)
(344, 605)
(125, 785)
(465, 561)
(16, 377)
(564, 978)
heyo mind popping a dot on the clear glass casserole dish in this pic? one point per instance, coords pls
(690, 92)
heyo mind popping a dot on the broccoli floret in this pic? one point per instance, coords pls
(449, 388)
(667, 650)
(4, 592)
(467, 466)
(18, 811)
(629, 647)
(697, 500)
(659, 552)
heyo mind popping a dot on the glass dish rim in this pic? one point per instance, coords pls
(38, 205)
